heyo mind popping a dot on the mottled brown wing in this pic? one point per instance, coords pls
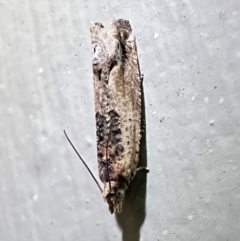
(117, 86)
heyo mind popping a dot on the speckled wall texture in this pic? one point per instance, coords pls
(190, 55)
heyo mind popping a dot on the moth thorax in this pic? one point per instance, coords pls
(114, 196)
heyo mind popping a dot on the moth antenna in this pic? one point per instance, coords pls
(82, 160)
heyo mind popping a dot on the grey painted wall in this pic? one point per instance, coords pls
(190, 56)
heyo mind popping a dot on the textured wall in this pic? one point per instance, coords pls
(190, 56)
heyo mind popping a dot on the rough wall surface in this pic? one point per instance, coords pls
(190, 56)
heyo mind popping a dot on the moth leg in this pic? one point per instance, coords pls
(142, 168)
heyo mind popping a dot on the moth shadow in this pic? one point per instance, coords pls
(134, 211)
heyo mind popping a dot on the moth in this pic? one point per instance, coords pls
(117, 87)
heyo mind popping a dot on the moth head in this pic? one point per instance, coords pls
(114, 196)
